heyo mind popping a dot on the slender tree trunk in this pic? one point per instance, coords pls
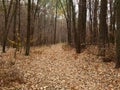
(28, 29)
(55, 21)
(75, 33)
(90, 22)
(103, 27)
(34, 13)
(19, 21)
(117, 3)
(95, 25)
(19, 17)
(83, 29)
(14, 26)
(79, 28)
(69, 28)
(6, 15)
(81, 32)
(84, 10)
(112, 23)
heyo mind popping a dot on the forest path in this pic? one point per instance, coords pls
(58, 67)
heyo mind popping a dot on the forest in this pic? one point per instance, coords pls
(59, 44)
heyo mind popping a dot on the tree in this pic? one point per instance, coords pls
(28, 29)
(117, 5)
(112, 22)
(103, 28)
(90, 21)
(7, 11)
(56, 15)
(15, 18)
(68, 20)
(95, 25)
(81, 29)
(76, 37)
(67, 11)
(83, 24)
(34, 12)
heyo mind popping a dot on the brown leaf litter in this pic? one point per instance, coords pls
(59, 68)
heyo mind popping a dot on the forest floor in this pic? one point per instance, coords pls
(58, 67)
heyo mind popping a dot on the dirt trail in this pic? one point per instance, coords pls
(59, 68)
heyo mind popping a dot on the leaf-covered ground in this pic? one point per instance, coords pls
(58, 67)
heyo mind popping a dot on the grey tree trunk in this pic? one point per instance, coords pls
(7, 17)
(117, 3)
(103, 28)
(83, 29)
(14, 26)
(69, 26)
(28, 29)
(55, 21)
(74, 27)
(95, 24)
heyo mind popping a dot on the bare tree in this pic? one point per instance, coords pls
(28, 29)
(15, 21)
(56, 12)
(117, 5)
(7, 17)
(103, 27)
(95, 23)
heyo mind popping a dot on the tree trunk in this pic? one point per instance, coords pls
(28, 29)
(95, 25)
(103, 27)
(14, 26)
(55, 21)
(74, 27)
(90, 21)
(69, 26)
(6, 15)
(83, 29)
(117, 3)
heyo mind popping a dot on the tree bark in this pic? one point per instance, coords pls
(28, 29)
(56, 12)
(103, 27)
(7, 16)
(14, 26)
(95, 25)
(74, 27)
(117, 3)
